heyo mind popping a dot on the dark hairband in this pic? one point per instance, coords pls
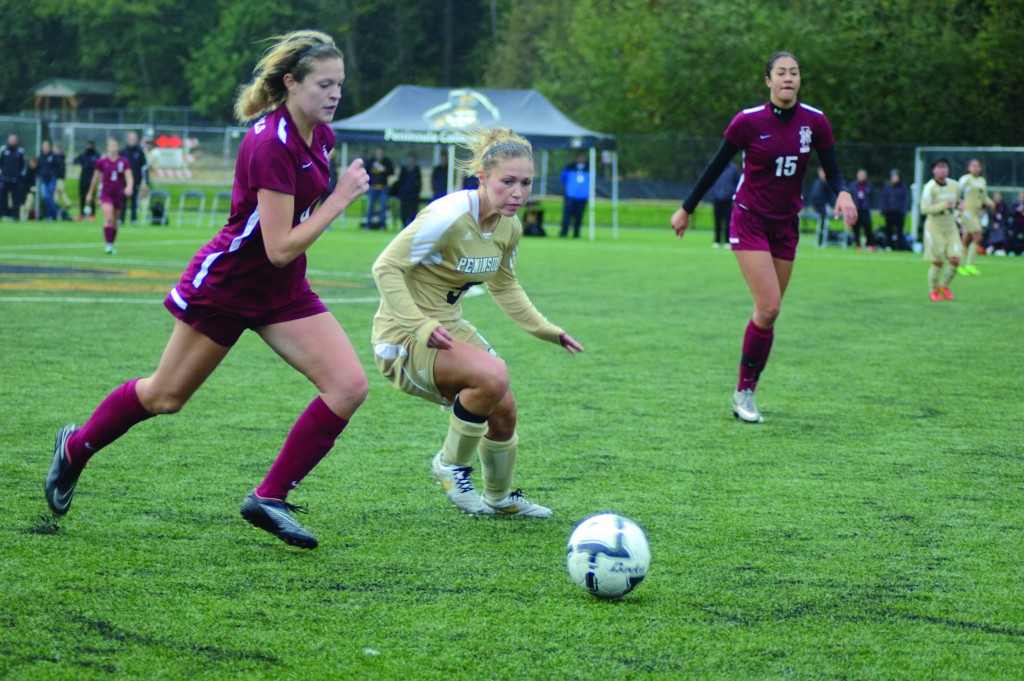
(506, 146)
(309, 50)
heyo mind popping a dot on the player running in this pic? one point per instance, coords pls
(424, 347)
(113, 173)
(252, 276)
(776, 138)
(941, 241)
(975, 199)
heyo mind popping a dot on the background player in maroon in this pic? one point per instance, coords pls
(113, 173)
(252, 276)
(776, 138)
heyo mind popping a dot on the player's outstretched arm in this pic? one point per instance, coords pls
(680, 221)
(569, 343)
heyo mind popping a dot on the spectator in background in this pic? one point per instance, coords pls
(439, 177)
(576, 187)
(87, 162)
(47, 177)
(820, 198)
(721, 194)
(408, 187)
(470, 182)
(59, 195)
(13, 166)
(380, 169)
(1015, 237)
(999, 219)
(895, 203)
(27, 194)
(136, 156)
(861, 191)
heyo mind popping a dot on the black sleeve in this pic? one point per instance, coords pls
(836, 182)
(711, 172)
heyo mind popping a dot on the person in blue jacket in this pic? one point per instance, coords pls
(576, 180)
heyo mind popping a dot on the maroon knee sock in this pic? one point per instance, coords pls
(310, 439)
(757, 344)
(116, 414)
(109, 234)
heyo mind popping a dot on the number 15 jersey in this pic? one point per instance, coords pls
(775, 157)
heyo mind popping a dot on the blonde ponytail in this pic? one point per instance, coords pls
(489, 147)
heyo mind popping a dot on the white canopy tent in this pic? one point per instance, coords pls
(439, 116)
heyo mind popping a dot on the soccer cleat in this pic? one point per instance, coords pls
(110, 249)
(936, 296)
(972, 270)
(962, 271)
(275, 516)
(743, 407)
(458, 486)
(517, 504)
(946, 293)
(63, 475)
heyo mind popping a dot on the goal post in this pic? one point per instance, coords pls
(1002, 167)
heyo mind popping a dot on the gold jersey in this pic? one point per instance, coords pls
(934, 198)
(424, 271)
(974, 191)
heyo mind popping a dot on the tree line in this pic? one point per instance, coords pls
(895, 71)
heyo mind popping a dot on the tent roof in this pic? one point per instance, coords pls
(71, 87)
(434, 115)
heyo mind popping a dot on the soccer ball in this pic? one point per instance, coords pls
(608, 555)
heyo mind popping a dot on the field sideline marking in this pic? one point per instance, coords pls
(142, 301)
(92, 244)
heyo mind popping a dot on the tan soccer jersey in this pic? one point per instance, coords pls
(974, 191)
(934, 204)
(425, 270)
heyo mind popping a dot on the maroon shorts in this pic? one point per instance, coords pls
(115, 198)
(750, 232)
(224, 327)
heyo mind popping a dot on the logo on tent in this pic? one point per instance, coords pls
(463, 108)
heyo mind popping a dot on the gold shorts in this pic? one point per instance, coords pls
(941, 243)
(969, 222)
(409, 365)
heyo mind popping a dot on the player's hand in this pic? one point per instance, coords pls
(680, 221)
(569, 343)
(440, 339)
(352, 183)
(127, 191)
(846, 206)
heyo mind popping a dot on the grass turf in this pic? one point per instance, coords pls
(870, 529)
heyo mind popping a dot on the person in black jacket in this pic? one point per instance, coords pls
(13, 166)
(136, 156)
(895, 202)
(407, 188)
(87, 160)
(439, 177)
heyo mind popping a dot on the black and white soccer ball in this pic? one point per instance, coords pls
(608, 555)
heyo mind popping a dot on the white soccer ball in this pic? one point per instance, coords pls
(608, 555)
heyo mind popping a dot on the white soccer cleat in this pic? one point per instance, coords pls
(517, 504)
(743, 407)
(458, 486)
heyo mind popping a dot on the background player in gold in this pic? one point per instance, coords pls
(941, 240)
(974, 194)
(424, 347)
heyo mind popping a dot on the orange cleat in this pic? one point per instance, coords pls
(936, 296)
(946, 293)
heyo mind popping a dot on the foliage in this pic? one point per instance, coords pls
(885, 71)
(868, 530)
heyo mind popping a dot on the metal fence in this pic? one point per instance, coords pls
(650, 167)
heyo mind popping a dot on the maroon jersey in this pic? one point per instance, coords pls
(233, 271)
(775, 156)
(112, 175)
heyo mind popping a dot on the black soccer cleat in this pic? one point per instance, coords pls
(274, 516)
(63, 475)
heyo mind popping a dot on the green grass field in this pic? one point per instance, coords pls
(871, 528)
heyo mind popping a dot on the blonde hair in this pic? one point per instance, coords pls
(292, 53)
(489, 147)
